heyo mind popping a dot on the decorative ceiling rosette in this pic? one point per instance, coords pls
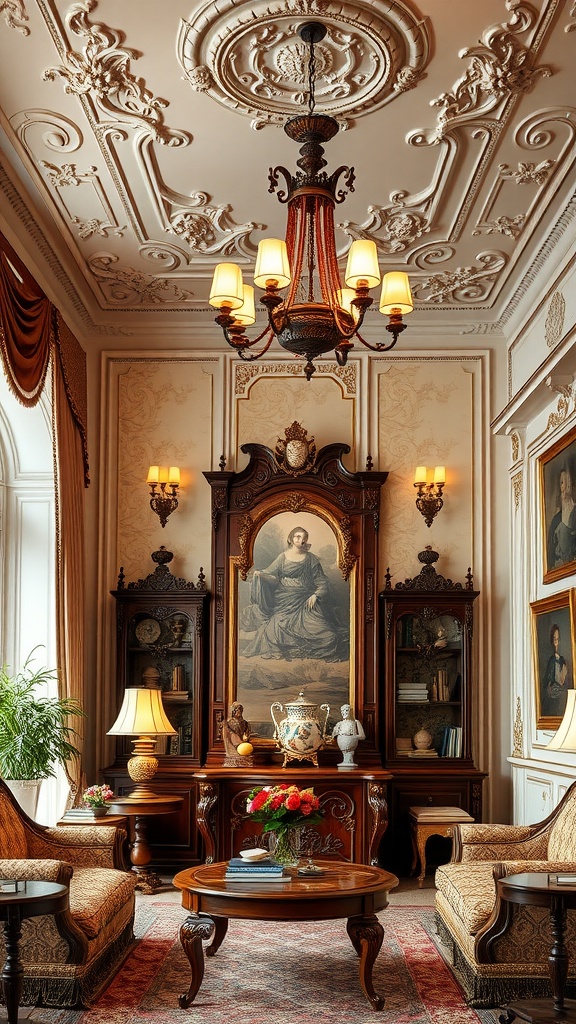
(249, 57)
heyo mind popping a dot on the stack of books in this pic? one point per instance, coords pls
(85, 814)
(412, 693)
(430, 752)
(263, 870)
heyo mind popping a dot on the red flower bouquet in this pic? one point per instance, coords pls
(283, 807)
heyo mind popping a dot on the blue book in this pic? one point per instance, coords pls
(268, 868)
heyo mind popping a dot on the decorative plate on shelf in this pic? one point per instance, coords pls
(147, 631)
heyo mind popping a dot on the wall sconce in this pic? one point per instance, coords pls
(429, 500)
(162, 502)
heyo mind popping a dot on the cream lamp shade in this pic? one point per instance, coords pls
(565, 737)
(272, 263)
(226, 286)
(362, 268)
(246, 314)
(396, 296)
(142, 715)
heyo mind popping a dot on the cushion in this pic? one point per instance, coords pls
(562, 839)
(469, 890)
(96, 895)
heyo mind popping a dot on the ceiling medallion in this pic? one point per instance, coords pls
(246, 56)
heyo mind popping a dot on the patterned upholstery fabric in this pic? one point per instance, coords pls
(69, 957)
(500, 951)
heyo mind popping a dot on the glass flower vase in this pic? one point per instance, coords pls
(285, 847)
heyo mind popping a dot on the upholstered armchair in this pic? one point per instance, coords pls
(500, 950)
(69, 957)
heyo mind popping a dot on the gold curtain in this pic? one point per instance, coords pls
(32, 335)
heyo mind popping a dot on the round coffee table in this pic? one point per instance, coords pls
(33, 899)
(352, 891)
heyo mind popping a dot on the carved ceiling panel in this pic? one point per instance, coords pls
(129, 165)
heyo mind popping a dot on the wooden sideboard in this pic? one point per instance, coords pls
(354, 802)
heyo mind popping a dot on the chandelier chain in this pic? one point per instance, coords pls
(311, 78)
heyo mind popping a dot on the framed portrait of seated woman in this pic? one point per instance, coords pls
(294, 575)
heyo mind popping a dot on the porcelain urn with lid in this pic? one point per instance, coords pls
(301, 733)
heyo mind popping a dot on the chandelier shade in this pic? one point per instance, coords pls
(317, 314)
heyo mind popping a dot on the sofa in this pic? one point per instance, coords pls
(500, 950)
(69, 957)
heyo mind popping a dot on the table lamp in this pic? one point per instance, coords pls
(142, 715)
(565, 736)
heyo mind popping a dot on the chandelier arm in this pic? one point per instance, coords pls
(380, 346)
(249, 357)
(283, 195)
(238, 341)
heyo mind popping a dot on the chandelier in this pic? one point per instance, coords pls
(317, 314)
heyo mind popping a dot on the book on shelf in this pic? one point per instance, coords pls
(423, 753)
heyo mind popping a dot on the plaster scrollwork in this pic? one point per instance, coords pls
(65, 177)
(252, 61)
(393, 229)
(124, 285)
(555, 316)
(464, 284)
(518, 735)
(499, 67)
(15, 15)
(517, 489)
(529, 173)
(103, 72)
(245, 375)
(515, 443)
(571, 26)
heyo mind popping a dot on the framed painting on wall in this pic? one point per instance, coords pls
(293, 629)
(554, 649)
(557, 480)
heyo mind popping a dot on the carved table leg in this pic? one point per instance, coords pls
(558, 959)
(220, 929)
(366, 935)
(192, 931)
(207, 800)
(421, 840)
(13, 971)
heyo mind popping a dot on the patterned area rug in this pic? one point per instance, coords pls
(278, 974)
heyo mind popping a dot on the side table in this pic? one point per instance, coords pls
(432, 821)
(541, 889)
(33, 899)
(140, 853)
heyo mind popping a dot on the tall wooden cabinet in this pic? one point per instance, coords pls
(161, 640)
(428, 691)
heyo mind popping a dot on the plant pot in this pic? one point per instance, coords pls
(26, 792)
(100, 812)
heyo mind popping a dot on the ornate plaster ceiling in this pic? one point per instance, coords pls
(136, 140)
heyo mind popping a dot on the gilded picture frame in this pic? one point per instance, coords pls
(554, 653)
(278, 645)
(557, 486)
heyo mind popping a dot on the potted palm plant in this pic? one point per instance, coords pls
(35, 731)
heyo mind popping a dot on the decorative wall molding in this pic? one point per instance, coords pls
(515, 444)
(517, 489)
(555, 419)
(250, 59)
(554, 326)
(123, 285)
(518, 748)
(246, 374)
(464, 284)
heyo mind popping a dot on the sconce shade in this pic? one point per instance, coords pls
(246, 315)
(362, 267)
(174, 475)
(153, 474)
(272, 263)
(226, 286)
(565, 737)
(142, 714)
(420, 476)
(440, 475)
(396, 296)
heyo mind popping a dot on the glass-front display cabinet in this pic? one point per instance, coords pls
(428, 691)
